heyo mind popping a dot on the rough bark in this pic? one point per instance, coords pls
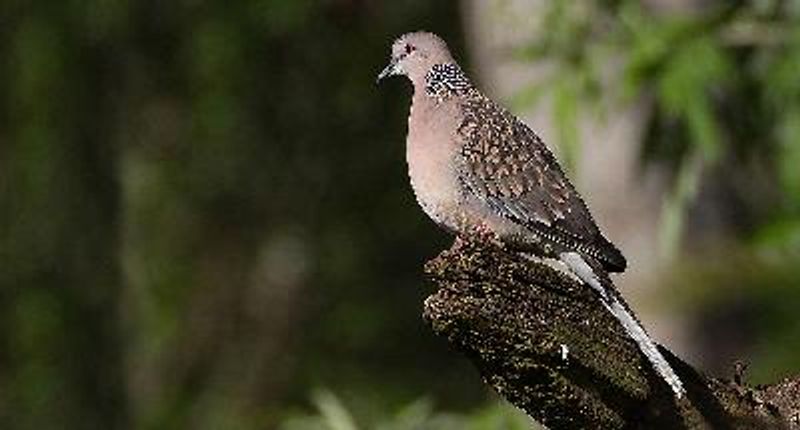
(546, 344)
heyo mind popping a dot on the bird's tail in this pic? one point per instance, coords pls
(646, 345)
(632, 327)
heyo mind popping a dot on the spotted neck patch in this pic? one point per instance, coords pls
(445, 80)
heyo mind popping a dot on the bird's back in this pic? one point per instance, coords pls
(505, 164)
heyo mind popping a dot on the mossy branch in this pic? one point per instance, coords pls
(546, 344)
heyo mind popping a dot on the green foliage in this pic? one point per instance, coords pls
(332, 414)
(722, 80)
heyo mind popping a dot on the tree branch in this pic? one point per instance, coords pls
(546, 343)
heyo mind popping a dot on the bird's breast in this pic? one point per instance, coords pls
(431, 149)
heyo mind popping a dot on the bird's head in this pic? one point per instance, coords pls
(414, 54)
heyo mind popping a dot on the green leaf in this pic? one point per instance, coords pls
(565, 113)
(334, 413)
(677, 200)
(684, 91)
(413, 416)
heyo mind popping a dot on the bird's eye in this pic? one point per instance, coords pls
(409, 48)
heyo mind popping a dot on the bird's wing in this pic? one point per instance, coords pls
(504, 163)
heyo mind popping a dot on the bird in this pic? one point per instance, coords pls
(480, 172)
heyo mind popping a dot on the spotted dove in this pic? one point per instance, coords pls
(479, 172)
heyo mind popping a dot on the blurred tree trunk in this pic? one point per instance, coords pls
(60, 360)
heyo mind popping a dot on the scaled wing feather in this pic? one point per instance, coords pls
(505, 163)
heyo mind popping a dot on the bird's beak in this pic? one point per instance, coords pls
(389, 70)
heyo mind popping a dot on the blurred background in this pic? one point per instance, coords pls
(206, 223)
